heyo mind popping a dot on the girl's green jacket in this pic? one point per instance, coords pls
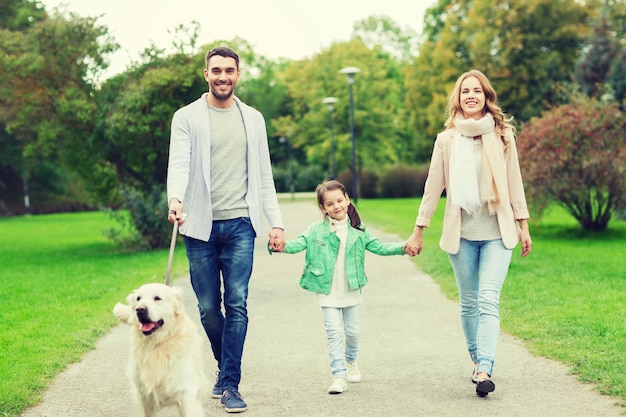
(322, 247)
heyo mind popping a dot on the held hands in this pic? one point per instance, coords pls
(413, 246)
(277, 240)
(408, 250)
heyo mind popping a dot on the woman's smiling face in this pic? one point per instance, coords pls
(472, 98)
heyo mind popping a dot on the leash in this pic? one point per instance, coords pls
(171, 257)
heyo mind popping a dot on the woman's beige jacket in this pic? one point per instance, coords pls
(512, 204)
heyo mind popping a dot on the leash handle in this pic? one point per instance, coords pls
(171, 257)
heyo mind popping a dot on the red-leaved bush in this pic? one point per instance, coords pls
(575, 155)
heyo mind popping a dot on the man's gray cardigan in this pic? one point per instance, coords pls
(188, 172)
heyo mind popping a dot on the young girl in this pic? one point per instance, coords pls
(334, 269)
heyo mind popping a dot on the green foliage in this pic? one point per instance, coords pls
(281, 179)
(19, 15)
(135, 113)
(382, 32)
(595, 68)
(403, 181)
(48, 65)
(381, 131)
(47, 72)
(368, 183)
(575, 155)
(308, 177)
(147, 214)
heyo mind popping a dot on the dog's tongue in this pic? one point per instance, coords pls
(146, 327)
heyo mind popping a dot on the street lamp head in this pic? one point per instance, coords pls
(350, 72)
(330, 101)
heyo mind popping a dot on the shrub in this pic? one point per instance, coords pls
(146, 225)
(281, 180)
(402, 181)
(368, 183)
(574, 155)
(308, 177)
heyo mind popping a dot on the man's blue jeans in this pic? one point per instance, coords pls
(480, 268)
(229, 253)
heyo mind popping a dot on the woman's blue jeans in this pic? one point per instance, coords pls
(228, 254)
(480, 268)
(336, 322)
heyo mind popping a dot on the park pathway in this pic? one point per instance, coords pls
(413, 356)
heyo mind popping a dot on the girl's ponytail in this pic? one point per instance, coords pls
(355, 219)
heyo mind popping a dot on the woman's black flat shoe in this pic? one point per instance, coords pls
(484, 387)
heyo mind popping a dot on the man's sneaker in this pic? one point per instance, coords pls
(354, 375)
(216, 392)
(338, 386)
(232, 401)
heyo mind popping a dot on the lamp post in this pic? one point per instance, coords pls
(284, 139)
(330, 101)
(351, 72)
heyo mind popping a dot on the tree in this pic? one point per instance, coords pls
(19, 15)
(602, 69)
(48, 64)
(382, 32)
(48, 79)
(126, 156)
(574, 155)
(595, 68)
(381, 129)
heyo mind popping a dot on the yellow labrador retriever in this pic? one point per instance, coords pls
(165, 359)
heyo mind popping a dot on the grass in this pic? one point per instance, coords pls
(566, 300)
(61, 280)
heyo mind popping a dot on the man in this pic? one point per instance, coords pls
(219, 186)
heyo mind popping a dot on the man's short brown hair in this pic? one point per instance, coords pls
(222, 51)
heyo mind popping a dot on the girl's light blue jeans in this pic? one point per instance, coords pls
(336, 322)
(480, 268)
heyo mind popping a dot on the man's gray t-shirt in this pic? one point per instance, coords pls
(229, 163)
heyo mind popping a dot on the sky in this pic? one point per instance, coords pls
(295, 29)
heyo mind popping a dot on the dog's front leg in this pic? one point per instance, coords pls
(148, 408)
(190, 404)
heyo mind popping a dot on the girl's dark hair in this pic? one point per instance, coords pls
(332, 185)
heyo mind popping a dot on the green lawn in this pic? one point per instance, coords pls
(62, 278)
(566, 300)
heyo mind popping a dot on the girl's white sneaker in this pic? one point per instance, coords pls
(338, 386)
(354, 375)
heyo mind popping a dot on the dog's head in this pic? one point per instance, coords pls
(151, 307)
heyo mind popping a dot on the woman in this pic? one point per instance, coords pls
(475, 161)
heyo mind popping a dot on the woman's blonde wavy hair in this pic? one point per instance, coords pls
(453, 109)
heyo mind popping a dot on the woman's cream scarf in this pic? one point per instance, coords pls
(465, 188)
